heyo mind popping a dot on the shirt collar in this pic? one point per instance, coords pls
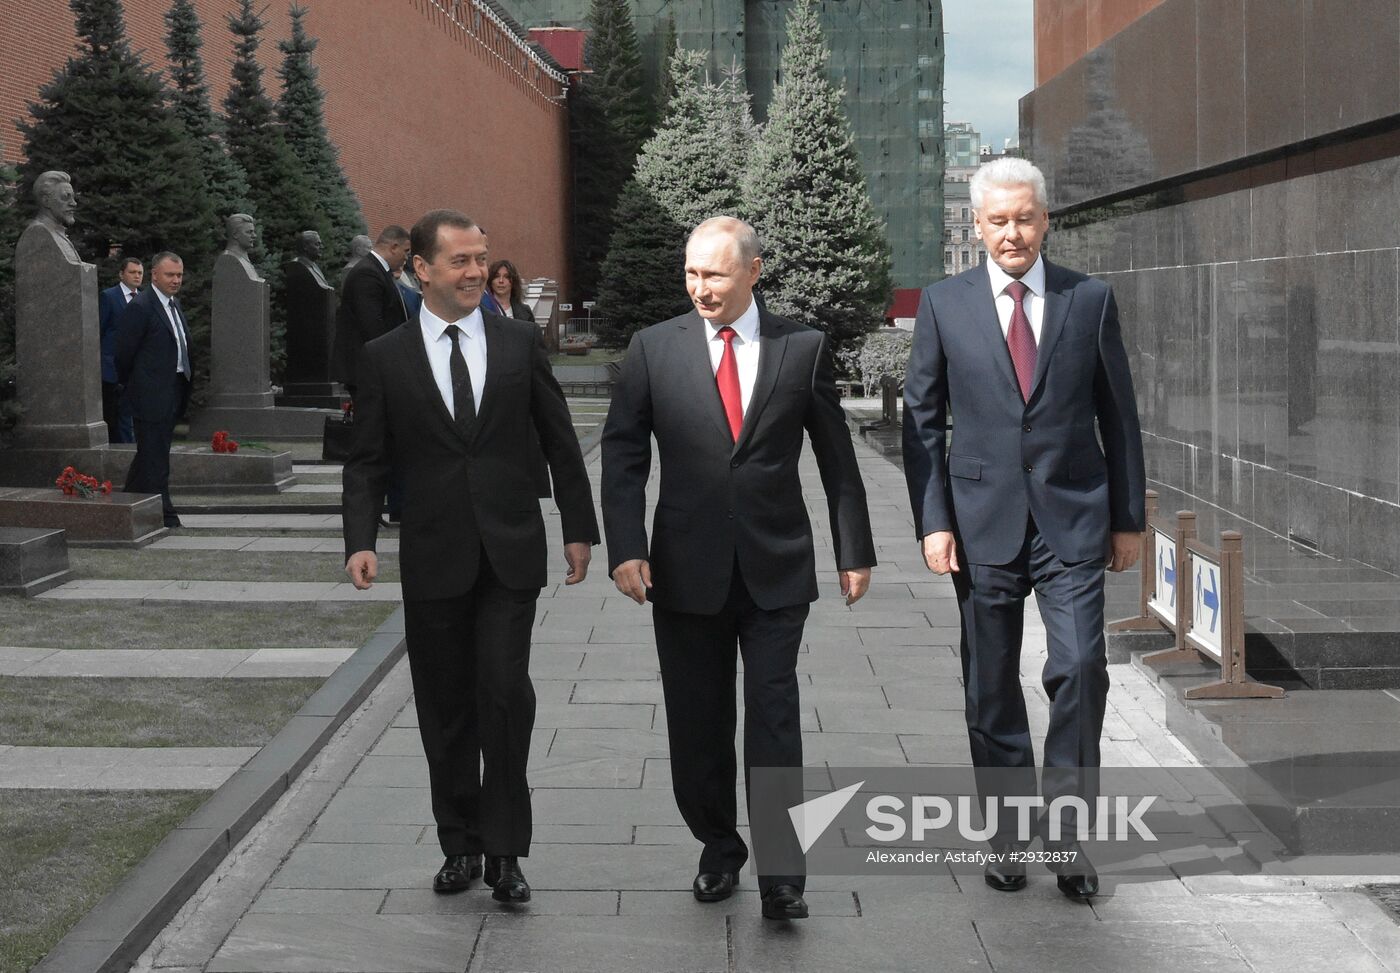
(1033, 278)
(746, 327)
(127, 291)
(436, 326)
(382, 262)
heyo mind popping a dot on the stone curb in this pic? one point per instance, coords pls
(120, 927)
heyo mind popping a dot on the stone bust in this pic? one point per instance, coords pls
(242, 235)
(58, 208)
(309, 254)
(360, 246)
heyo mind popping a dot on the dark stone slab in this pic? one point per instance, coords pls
(191, 467)
(32, 560)
(310, 323)
(122, 519)
(273, 422)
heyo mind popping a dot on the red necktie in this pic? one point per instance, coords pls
(727, 378)
(1019, 339)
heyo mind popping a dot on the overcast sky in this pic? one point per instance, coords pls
(989, 64)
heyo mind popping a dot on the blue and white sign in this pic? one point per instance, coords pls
(1163, 601)
(1207, 618)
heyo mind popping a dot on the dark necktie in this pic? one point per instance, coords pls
(181, 339)
(1020, 341)
(129, 296)
(727, 378)
(463, 401)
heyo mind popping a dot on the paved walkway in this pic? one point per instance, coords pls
(336, 876)
(172, 663)
(232, 591)
(252, 542)
(120, 768)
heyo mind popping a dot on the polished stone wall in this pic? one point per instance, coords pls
(1232, 168)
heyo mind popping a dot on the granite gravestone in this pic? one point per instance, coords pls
(310, 304)
(57, 346)
(241, 330)
(241, 397)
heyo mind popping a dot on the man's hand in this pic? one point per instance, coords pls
(940, 552)
(1127, 546)
(577, 555)
(633, 578)
(854, 584)
(363, 568)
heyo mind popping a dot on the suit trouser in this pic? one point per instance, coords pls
(150, 468)
(117, 415)
(469, 657)
(697, 654)
(991, 600)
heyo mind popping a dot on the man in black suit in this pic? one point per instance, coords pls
(370, 303)
(727, 391)
(110, 305)
(446, 400)
(1043, 489)
(153, 362)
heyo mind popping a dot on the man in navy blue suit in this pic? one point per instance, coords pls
(111, 303)
(153, 362)
(1030, 359)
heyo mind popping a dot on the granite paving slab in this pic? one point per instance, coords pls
(310, 943)
(121, 768)
(692, 943)
(222, 591)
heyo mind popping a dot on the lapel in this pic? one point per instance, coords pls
(418, 354)
(772, 345)
(1059, 294)
(988, 326)
(694, 360)
(496, 353)
(386, 277)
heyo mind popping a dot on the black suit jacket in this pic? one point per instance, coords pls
(145, 357)
(464, 489)
(370, 306)
(1011, 458)
(721, 500)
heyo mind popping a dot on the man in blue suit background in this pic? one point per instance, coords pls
(153, 362)
(1030, 359)
(111, 303)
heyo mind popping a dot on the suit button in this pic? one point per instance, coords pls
(1026, 428)
(734, 464)
(1028, 467)
(730, 515)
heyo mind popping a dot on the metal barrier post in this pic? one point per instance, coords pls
(1144, 620)
(1184, 534)
(1234, 682)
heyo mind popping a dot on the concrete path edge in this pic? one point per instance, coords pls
(118, 929)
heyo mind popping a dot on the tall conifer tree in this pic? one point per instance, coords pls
(301, 111)
(610, 115)
(827, 261)
(228, 184)
(686, 173)
(10, 226)
(141, 185)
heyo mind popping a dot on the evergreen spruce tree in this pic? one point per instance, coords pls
(670, 40)
(687, 172)
(610, 115)
(228, 184)
(10, 227)
(139, 175)
(281, 189)
(827, 263)
(303, 119)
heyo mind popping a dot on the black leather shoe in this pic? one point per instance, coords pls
(457, 874)
(506, 880)
(173, 521)
(1077, 878)
(1003, 874)
(784, 902)
(714, 886)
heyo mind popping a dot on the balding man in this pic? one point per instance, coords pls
(371, 304)
(153, 362)
(727, 391)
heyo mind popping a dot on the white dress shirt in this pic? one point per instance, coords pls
(471, 337)
(180, 351)
(1034, 302)
(127, 293)
(745, 350)
(382, 262)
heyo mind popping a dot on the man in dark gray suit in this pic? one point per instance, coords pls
(727, 391)
(1030, 359)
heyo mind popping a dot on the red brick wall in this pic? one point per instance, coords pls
(425, 113)
(1066, 30)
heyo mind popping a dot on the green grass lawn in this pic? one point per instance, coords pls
(115, 712)
(595, 356)
(62, 851)
(41, 623)
(156, 564)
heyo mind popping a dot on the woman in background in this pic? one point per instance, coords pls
(504, 295)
